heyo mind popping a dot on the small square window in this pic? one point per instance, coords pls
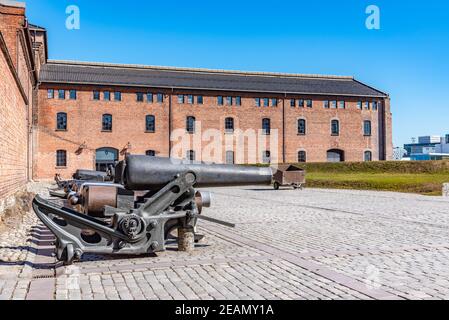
(149, 97)
(375, 105)
(326, 104)
(220, 100)
(96, 95)
(301, 103)
(72, 94)
(309, 103)
(190, 99)
(292, 103)
(50, 93)
(107, 96)
(61, 94)
(180, 98)
(341, 104)
(199, 99)
(274, 102)
(139, 97)
(266, 102)
(117, 96)
(160, 97)
(257, 100)
(238, 101)
(359, 105)
(367, 105)
(229, 101)
(333, 104)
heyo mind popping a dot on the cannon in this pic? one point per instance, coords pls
(135, 214)
(68, 189)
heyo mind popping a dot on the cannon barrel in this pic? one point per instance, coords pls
(145, 173)
(84, 174)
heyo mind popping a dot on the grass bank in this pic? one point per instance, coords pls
(422, 177)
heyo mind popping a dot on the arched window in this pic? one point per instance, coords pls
(335, 127)
(190, 155)
(301, 126)
(266, 126)
(150, 123)
(335, 155)
(302, 156)
(229, 125)
(190, 124)
(61, 121)
(368, 156)
(61, 158)
(150, 153)
(229, 157)
(107, 122)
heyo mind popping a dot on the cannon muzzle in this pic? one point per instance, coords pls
(138, 172)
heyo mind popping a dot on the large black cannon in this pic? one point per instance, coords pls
(150, 198)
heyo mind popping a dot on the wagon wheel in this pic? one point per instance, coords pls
(276, 185)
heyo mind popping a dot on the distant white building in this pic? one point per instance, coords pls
(443, 147)
(429, 139)
(428, 148)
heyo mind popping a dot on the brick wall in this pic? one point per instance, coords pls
(13, 128)
(15, 93)
(84, 116)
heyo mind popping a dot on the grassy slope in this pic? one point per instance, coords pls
(424, 177)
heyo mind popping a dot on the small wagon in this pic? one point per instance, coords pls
(289, 175)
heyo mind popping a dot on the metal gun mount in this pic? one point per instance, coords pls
(112, 218)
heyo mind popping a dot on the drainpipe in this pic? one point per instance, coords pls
(170, 121)
(283, 127)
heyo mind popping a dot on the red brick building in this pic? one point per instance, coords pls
(87, 115)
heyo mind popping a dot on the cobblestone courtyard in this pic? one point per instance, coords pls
(310, 244)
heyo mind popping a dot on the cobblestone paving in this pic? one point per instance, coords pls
(287, 244)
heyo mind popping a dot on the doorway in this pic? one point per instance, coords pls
(104, 158)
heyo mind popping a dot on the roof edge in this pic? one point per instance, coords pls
(211, 89)
(199, 70)
(368, 86)
(10, 3)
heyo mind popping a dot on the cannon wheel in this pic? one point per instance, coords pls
(276, 185)
(66, 254)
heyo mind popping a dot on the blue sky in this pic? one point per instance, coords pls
(407, 57)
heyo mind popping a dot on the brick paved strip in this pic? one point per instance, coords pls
(310, 266)
(41, 289)
(178, 263)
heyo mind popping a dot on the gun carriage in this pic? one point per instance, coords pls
(135, 213)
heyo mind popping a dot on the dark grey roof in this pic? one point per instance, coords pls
(36, 27)
(178, 78)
